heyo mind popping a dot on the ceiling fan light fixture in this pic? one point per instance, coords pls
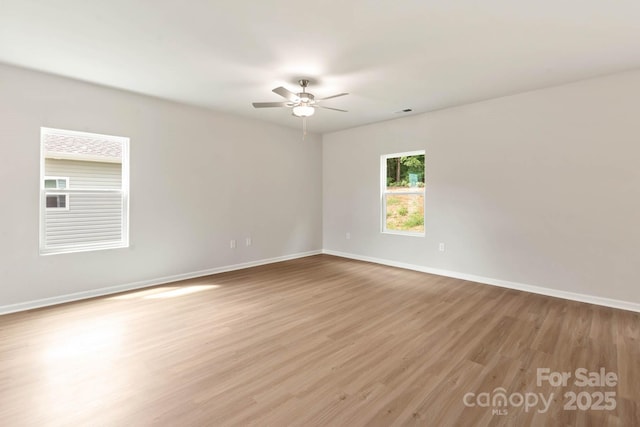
(303, 110)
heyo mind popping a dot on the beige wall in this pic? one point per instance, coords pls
(540, 188)
(197, 180)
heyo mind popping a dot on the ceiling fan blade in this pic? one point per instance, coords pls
(333, 96)
(285, 93)
(270, 104)
(330, 108)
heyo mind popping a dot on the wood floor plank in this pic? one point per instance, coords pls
(317, 341)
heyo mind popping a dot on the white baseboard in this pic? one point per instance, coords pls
(29, 305)
(590, 299)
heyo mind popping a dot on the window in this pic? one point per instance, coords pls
(56, 200)
(51, 182)
(402, 193)
(83, 191)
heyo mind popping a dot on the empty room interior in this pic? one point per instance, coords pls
(284, 213)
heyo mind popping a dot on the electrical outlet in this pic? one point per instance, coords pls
(441, 247)
(232, 244)
(247, 241)
(347, 236)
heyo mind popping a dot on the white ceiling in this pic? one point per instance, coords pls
(389, 55)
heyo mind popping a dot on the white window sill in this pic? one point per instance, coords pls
(71, 250)
(404, 233)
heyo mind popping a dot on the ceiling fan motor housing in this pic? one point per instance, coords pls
(306, 97)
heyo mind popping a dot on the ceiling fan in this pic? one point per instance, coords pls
(303, 104)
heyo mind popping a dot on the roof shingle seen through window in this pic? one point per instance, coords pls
(94, 147)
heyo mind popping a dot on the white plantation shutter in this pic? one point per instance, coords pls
(95, 168)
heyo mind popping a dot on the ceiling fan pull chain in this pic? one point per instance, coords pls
(304, 127)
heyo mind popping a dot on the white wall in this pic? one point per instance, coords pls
(540, 188)
(198, 179)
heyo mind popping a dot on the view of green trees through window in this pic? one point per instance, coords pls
(404, 193)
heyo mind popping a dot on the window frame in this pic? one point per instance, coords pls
(57, 178)
(124, 191)
(384, 193)
(57, 208)
(56, 193)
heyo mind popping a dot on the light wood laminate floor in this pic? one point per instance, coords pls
(312, 342)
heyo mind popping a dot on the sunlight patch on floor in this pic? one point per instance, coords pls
(164, 292)
(100, 338)
(182, 291)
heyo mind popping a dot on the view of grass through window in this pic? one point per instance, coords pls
(404, 193)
